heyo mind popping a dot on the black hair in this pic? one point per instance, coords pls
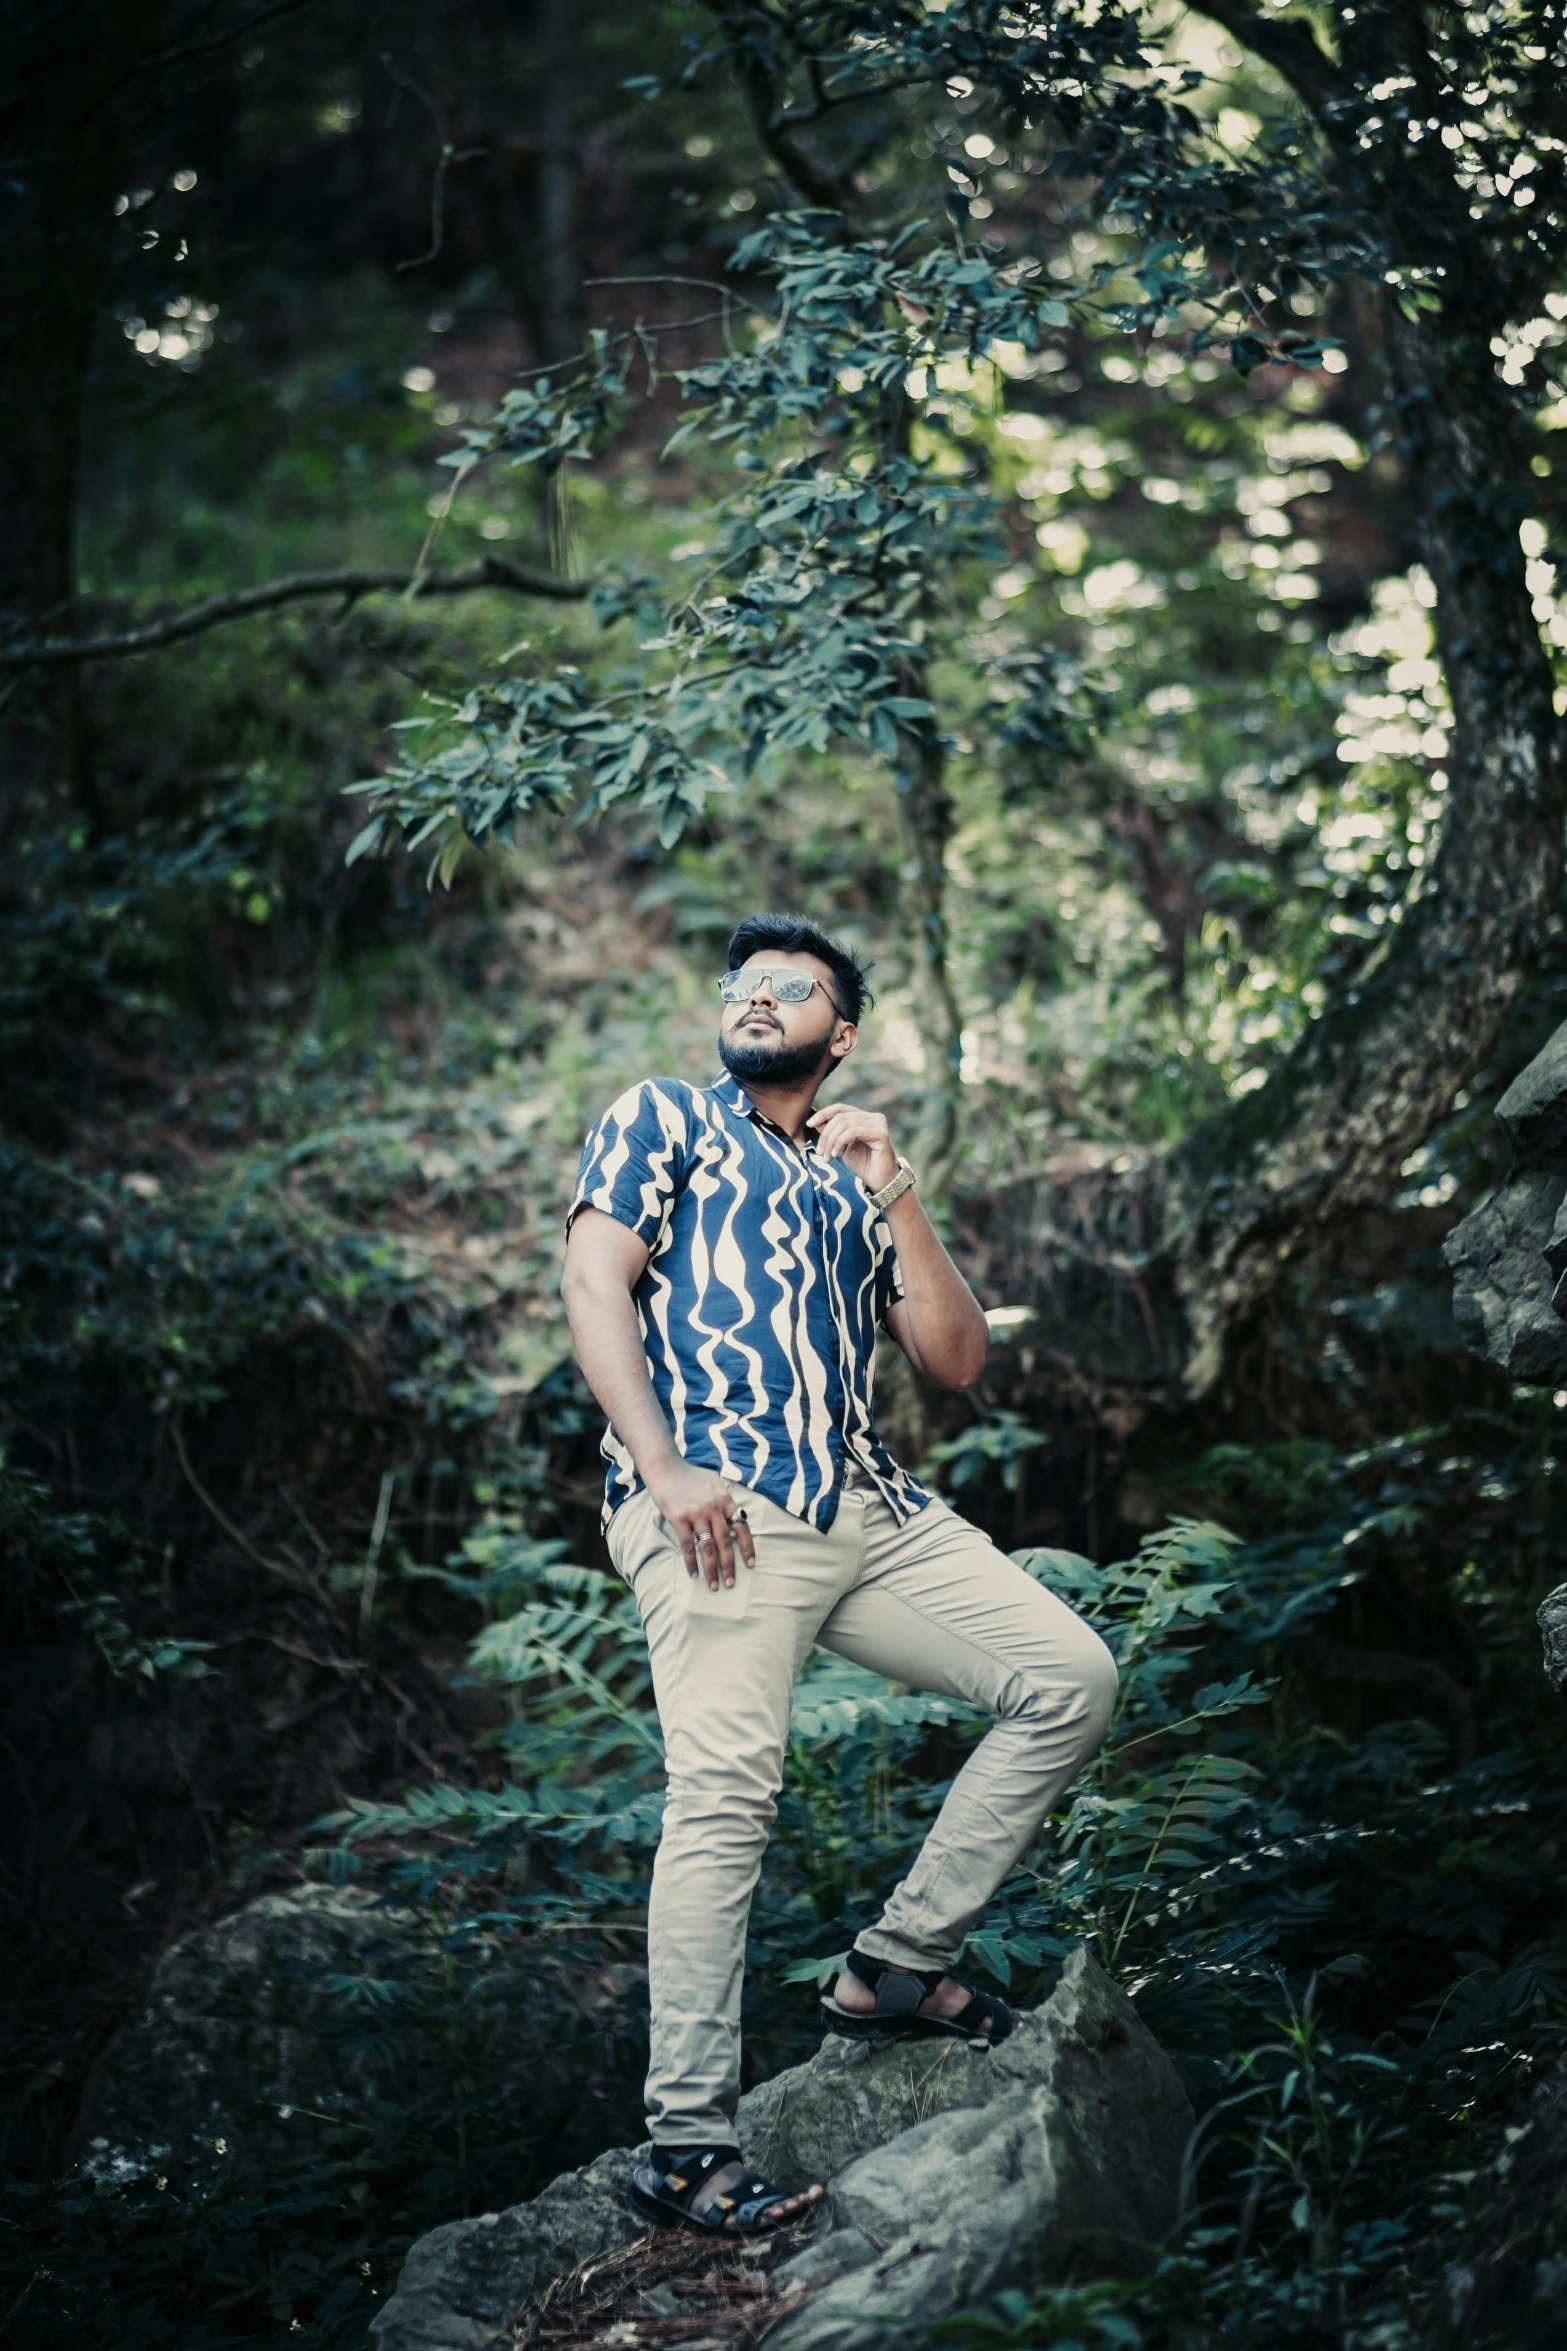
(796, 934)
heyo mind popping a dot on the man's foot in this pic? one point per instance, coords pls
(949, 1999)
(731, 2175)
(876, 2001)
(710, 2189)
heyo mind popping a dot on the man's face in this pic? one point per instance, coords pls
(764, 1042)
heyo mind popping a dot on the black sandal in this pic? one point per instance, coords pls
(662, 2188)
(896, 2015)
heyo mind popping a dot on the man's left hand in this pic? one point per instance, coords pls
(858, 1136)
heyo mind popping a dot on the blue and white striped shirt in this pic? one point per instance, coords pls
(768, 1273)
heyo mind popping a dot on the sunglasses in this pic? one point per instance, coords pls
(786, 987)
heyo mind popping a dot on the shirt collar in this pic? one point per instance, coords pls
(733, 1095)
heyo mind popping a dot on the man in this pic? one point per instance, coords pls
(731, 1252)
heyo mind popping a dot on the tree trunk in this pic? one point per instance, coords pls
(560, 269)
(68, 129)
(925, 806)
(1141, 1271)
(43, 370)
(532, 190)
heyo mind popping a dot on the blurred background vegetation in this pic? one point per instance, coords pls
(298, 1503)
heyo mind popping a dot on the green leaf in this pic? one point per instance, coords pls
(811, 1971)
(990, 1950)
(367, 838)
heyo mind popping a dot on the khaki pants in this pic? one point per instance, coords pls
(932, 1604)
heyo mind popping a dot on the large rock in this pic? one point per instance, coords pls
(247, 2034)
(1509, 1261)
(953, 2174)
(461, 2285)
(1509, 1258)
(1532, 1114)
(238, 2033)
(1551, 1617)
(1503, 1282)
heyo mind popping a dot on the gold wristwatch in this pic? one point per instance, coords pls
(902, 1182)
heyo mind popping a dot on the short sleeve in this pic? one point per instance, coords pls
(634, 1160)
(889, 1284)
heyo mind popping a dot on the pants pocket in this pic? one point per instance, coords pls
(635, 1535)
(638, 1533)
(728, 1605)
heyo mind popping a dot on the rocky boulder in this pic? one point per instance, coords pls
(1509, 1265)
(267, 2031)
(1509, 1258)
(1503, 1283)
(953, 2173)
(235, 2035)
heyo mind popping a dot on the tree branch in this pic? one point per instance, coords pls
(491, 571)
(754, 71)
(449, 155)
(1291, 48)
(285, 1575)
(161, 60)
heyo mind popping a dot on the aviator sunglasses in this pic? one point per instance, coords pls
(787, 987)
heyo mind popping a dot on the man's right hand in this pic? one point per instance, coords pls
(707, 1517)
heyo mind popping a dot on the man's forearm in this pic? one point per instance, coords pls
(944, 1327)
(702, 1512)
(939, 1325)
(608, 1341)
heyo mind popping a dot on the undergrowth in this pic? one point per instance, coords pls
(1348, 1933)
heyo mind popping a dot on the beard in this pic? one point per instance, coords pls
(773, 1065)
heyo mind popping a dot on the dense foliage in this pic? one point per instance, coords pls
(993, 441)
(1338, 1927)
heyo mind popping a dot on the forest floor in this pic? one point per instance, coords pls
(670, 2291)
